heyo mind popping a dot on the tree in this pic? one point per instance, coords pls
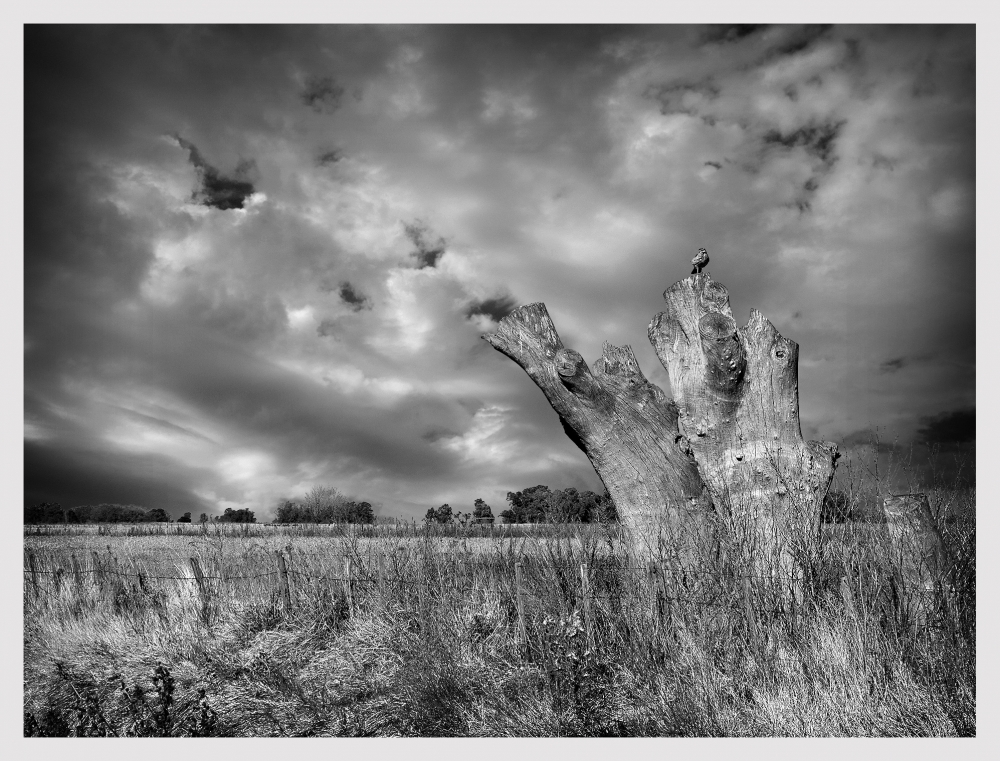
(530, 505)
(186, 518)
(363, 513)
(729, 444)
(481, 512)
(442, 514)
(203, 518)
(157, 515)
(287, 512)
(242, 515)
(322, 505)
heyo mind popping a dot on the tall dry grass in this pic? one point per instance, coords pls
(684, 638)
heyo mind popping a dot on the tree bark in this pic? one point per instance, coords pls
(625, 425)
(737, 394)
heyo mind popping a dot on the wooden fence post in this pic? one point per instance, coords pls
(519, 599)
(348, 591)
(654, 594)
(34, 573)
(380, 570)
(286, 594)
(77, 575)
(98, 576)
(421, 577)
(199, 577)
(587, 616)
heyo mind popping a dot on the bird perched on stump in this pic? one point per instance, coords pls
(699, 261)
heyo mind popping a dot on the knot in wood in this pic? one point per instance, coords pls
(568, 362)
(714, 296)
(716, 327)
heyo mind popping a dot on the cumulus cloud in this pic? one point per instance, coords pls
(315, 316)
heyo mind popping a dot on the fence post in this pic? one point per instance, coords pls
(34, 573)
(519, 598)
(98, 575)
(918, 553)
(200, 578)
(77, 575)
(422, 595)
(381, 575)
(587, 617)
(348, 591)
(654, 594)
(286, 594)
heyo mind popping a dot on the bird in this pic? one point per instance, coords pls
(699, 261)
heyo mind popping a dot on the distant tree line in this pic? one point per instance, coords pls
(52, 512)
(324, 504)
(537, 504)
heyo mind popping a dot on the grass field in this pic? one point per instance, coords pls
(431, 635)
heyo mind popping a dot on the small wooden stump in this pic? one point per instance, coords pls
(918, 553)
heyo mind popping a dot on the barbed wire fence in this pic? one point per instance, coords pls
(537, 590)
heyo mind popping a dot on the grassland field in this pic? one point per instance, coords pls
(434, 635)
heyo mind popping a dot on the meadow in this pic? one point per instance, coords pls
(567, 630)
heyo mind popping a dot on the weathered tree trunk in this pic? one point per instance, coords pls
(731, 445)
(737, 392)
(626, 425)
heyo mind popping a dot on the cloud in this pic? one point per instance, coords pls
(495, 308)
(817, 140)
(322, 94)
(352, 298)
(217, 190)
(429, 251)
(955, 427)
(893, 365)
(729, 32)
(330, 157)
(230, 359)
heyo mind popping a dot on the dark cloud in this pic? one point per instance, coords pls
(429, 250)
(893, 365)
(217, 190)
(799, 38)
(71, 476)
(322, 94)
(328, 158)
(816, 139)
(495, 308)
(352, 298)
(672, 98)
(716, 164)
(723, 33)
(956, 427)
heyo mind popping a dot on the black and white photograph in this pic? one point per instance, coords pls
(499, 380)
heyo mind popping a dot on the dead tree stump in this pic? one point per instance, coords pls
(625, 425)
(730, 445)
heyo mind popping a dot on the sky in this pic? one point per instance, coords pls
(261, 259)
